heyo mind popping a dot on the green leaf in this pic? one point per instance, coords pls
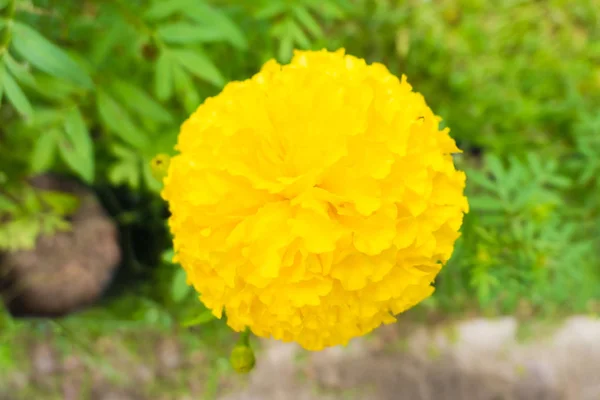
(185, 89)
(328, 9)
(19, 234)
(19, 71)
(307, 21)
(167, 256)
(8, 205)
(299, 36)
(46, 56)
(44, 151)
(7, 356)
(199, 65)
(61, 203)
(201, 319)
(77, 148)
(286, 48)
(218, 20)
(140, 102)
(163, 76)
(185, 32)
(77, 132)
(164, 9)
(53, 88)
(179, 287)
(271, 9)
(485, 203)
(2, 72)
(118, 121)
(494, 164)
(480, 179)
(127, 168)
(104, 44)
(15, 95)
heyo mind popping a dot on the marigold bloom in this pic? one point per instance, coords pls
(314, 201)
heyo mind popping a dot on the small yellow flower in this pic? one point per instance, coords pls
(314, 201)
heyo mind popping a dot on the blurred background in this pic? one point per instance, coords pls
(91, 90)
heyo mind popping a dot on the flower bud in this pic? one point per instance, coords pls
(242, 359)
(242, 356)
(160, 166)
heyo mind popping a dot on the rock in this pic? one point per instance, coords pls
(43, 359)
(44, 364)
(68, 270)
(169, 355)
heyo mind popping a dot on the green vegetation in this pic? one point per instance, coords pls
(95, 89)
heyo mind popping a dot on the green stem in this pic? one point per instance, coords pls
(245, 338)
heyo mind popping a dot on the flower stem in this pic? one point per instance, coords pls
(245, 338)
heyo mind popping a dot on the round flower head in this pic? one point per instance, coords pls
(315, 201)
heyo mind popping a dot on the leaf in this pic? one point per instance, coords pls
(19, 71)
(185, 89)
(8, 205)
(163, 77)
(218, 20)
(286, 47)
(494, 164)
(307, 21)
(46, 56)
(271, 9)
(77, 148)
(199, 65)
(44, 151)
(127, 168)
(561, 182)
(19, 234)
(328, 9)
(179, 287)
(481, 180)
(110, 38)
(185, 32)
(2, 72)
(299, 36)
(140, 102)
(117, 120)
(53, 88)
(486, 203)
(163, 9)
(167, 256)
(201, 319)
(7, 357)
(61, 203)
(15, 95)
(483, 283)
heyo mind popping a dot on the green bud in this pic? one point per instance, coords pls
(242, 356)
(160, 166)
(242, 359)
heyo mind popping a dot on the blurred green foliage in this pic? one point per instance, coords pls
(95, 89)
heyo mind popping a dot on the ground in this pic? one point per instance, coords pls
(474, 359)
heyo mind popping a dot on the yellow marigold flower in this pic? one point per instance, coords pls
(314, 201)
